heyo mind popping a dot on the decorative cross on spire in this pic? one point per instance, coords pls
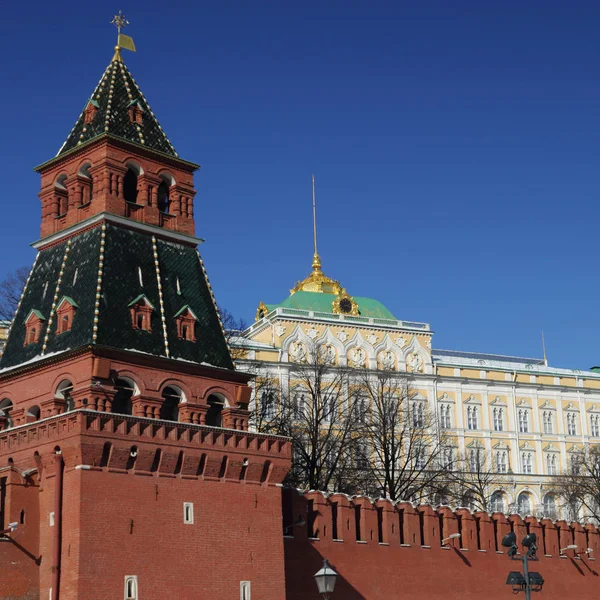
(119, 21)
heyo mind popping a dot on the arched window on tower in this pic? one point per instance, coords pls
(216, 404)
(172, 397)
(5, 418)
(63, 391)
(62, 195)
(163, 197)
(122, 401)
(33, 413)
(87, 183)
(130, 186)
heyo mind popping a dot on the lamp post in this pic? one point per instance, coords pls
(11, 528)
(528, 581)
(325, 578)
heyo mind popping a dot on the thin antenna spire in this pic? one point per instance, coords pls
(316, 263)
(314, 214)
(544, 348)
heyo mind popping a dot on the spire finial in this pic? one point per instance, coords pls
(123, 41)
(544, 348)
(119, 21)
(316, 264)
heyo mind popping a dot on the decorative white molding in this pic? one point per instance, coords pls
(312, 333)
(372, 339)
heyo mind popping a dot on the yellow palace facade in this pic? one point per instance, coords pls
(529, 418)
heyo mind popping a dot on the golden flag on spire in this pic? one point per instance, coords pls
(125, 42)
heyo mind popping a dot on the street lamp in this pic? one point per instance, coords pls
(452, 536)
(528, 581)
(11, 528)
(571, 547)
(325, 579)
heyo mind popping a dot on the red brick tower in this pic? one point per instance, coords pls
(124, 452)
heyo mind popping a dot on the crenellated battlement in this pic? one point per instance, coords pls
(342, 518)
(91, 439)
(384, 549)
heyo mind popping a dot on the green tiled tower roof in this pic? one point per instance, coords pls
(102, 272)
(110, 102)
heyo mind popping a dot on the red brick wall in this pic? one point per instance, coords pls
(410, 561)
(118, 521)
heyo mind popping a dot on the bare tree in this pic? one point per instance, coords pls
(233, 328)
(401, 435)
(11, 288)
(471, 478)
(266, 395)
(318, 413)
(579, 486)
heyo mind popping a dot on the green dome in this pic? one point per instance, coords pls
(319, 302)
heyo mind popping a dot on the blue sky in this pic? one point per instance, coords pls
(455, 147)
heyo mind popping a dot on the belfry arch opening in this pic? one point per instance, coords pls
(64, 391)
(172, 397)
(5, 419)
(88, 187)
(130, 186)
(125, 390)
(164, 190)
(216, 404)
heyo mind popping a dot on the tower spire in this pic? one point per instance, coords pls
(316, 263)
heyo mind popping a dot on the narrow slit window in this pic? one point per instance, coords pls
(188, 513)
(131, 587)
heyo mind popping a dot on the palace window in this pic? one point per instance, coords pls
(595, 425)
(550, 510)
(447, 458)
(547, 421)
(299, 405)
(475, 459)
(472, 417)
(361, 408)
(497, 502)
(498, 419)
(576, 463)
(524, 504)
(551, 463)
(329, 408)
(527, 462)
(420, 458)
(502, 461)
(418, 414)
(267, 406)
(523, 420)
(571, 423)
(445, 416)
